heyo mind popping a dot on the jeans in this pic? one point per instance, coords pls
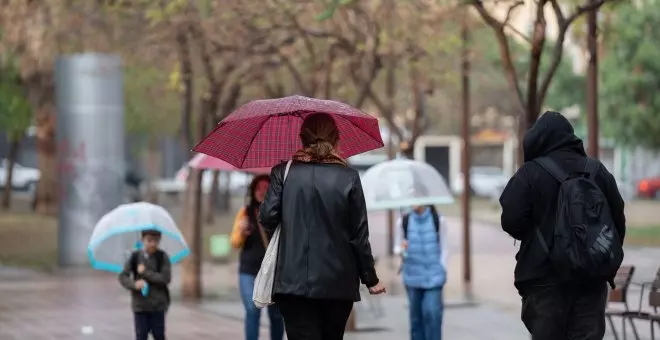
(149, 322)
(253, 314)
(426, 307)
(557, 312)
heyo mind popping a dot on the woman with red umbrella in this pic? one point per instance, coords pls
(324, 248)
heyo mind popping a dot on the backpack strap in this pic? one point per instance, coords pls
(552, 168)
(436, 219)
(134, 262)
(404, 225)
(591, 166)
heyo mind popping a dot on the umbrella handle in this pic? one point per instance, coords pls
(145, 289)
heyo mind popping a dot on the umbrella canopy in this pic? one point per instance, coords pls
(402, 183)
(263, 133)
(206, 162)
(117, 234)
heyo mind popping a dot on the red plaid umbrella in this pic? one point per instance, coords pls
(263, 133)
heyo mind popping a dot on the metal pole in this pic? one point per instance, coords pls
(90, 136)
(465, 159)
(592, 82)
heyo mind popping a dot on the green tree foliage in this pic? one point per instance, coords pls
(630, 76)
(151, 106)
(15, 110)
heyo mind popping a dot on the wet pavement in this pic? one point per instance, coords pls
(91, 305)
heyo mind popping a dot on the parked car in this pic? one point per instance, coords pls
(649, 188)
(485, 181)
(23, 178)
(238, 182)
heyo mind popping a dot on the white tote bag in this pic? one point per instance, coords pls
(262, 295)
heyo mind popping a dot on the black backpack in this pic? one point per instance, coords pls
(436, 222)
(160, 258)
(585, 242)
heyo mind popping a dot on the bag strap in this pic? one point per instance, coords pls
(436, 219)
(264, 237)
(591, 167)
(286, 172)
(561, 176)
(134, 263)
(262, 232)
(552, 168)
(404, 225)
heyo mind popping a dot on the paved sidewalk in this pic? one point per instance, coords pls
(35, 306)
(465, 323)
(64, 308)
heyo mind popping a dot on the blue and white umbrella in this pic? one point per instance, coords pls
(402, 183)
(118, 233)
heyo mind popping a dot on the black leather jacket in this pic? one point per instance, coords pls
(324, 243)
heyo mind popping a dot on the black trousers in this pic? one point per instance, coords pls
(313, 319)
(566, 312)
(149, 322)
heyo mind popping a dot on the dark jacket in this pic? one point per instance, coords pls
(158, 298)
(530, 198)
(252, 246)
(324, 243)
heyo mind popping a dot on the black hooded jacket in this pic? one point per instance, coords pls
(530, 198)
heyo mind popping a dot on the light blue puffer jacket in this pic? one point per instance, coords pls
(423, 265)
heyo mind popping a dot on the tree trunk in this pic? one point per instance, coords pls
(154, 159)
(14, 143)
(592, 84)
(192, 266)
(224, 201)
(186, 70)
(191, 288)
(47, 196)
(226, 198)
(213, 197)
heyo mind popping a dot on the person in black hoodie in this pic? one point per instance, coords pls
(249, 236)
(553, 308)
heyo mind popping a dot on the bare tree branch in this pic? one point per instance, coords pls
(563, 23)
(505, 51)
(535, 54)
(205, 56)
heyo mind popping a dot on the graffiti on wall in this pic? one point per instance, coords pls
(88, 184)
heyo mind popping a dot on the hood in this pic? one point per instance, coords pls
(551, 132)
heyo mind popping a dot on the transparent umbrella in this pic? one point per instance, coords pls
(117, 235)
(402, 183)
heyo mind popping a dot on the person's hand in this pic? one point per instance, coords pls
(377, 289)
(140, 268)
(139, 284)
(245, 227)
(404, 245)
